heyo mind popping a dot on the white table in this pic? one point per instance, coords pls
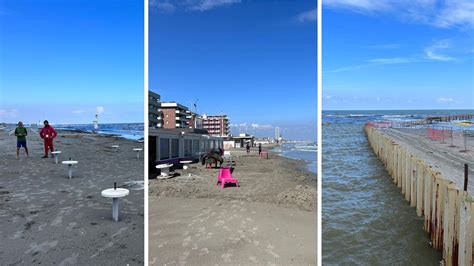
(138, 152)
(69, 165)
(185, 165)
(115, 147)
(115, 194)
(56, 155)
(165, 169)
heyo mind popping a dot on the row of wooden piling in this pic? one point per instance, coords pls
(447, 210)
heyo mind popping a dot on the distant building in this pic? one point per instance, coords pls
(277, 133)
(240, 141)
(216, 125)
(155, 116)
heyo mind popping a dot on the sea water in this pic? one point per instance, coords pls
(306, 151)
(365, 218)
(133, 131)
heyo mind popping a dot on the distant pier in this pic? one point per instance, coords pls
(431, 176)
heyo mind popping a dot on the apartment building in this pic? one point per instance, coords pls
(216, 125)
(155, 116)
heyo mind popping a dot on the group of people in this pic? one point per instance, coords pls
(47, 133)
(259, 148)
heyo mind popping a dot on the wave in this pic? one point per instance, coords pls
(311, 148)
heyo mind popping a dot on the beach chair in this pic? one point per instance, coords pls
(225, 177)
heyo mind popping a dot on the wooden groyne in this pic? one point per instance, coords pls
(448, 211)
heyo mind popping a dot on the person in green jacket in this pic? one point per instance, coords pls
(20, 133)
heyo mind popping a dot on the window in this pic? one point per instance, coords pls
(212, 144)
(196, 146)
(188, 147)
(202, 149)
(164, 148)
(174, 148)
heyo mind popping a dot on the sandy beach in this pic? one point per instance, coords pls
(47, 218)
(270, 219)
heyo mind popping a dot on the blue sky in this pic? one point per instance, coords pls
(398, 54)
(64, 62)
(253, 60)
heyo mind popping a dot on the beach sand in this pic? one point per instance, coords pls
(270, 219)
(47, 218)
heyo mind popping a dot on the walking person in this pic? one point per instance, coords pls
(259, 149)
(21, 133)
(248, 148)
(48, 134)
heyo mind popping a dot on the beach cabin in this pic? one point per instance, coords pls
(179, 144)
(241, 140)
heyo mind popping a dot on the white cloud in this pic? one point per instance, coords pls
(438, 13)
(99, 109)
(203, 5)
(251, 126)
(6, 114)
(446, 100)
(391, 61)
(164, 6)
(168, 6)
(456, 13)
(432, 52)
(265, 126)
(308, 16)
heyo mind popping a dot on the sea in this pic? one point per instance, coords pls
(306, 151)
(365, 218)
(133, 131)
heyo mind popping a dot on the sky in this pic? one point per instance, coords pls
(398, 54)
(65, 61)
(252, 60)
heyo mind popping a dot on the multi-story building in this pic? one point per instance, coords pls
(175, 115)
(155, 116)
(216, 125)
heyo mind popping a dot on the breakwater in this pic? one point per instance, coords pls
(447, 210)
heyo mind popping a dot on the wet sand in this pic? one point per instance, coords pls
(270, 219)
(47, 218)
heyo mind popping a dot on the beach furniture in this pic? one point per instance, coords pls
(138, 152)
(184, 163)
(225, 177)
(115, 193)
(69, 167)
(115, 147)
(56, 155)
(264, 153)
(164, 169)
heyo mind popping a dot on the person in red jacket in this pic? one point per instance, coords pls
(48, 133)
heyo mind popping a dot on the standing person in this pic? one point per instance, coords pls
(20, 133)
(259, 148)
(248, 148)
(48, 134)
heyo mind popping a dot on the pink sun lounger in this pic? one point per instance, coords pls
(225, 177)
